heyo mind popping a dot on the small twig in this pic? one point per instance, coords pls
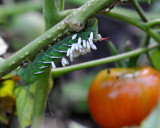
(139, 10)
(145, 44)
(153, 23)
(136, 23)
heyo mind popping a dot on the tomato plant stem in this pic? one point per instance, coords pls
(61, 5)
(136, 23)
(60, 71)
(139, 10)
(153, 23)
(50, 11)
(42, 87)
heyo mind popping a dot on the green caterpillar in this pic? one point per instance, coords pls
(72, 46)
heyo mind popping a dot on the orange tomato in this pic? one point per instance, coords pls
(123, 96)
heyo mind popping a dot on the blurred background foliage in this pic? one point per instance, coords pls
(21, 21)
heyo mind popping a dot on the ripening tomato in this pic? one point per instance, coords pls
(123, 96)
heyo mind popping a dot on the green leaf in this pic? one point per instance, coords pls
(155, 57)
(114, 51)
(25, 103)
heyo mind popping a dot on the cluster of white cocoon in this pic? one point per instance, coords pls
(79, 48)
(76, 49)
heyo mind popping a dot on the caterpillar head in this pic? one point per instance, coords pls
(92, 26)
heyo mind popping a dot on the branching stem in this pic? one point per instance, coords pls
(139, 10)
(138, 24)
(153, 23)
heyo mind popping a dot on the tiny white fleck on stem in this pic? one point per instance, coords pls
(12, 62)
(89, 4)
(26, 53)
(58, 27)
(39, 42)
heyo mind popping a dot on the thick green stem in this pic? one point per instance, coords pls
(60, 71)
(79, 17)
(42, 87)
(50, 12)
(61, 5)
(139, 10)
